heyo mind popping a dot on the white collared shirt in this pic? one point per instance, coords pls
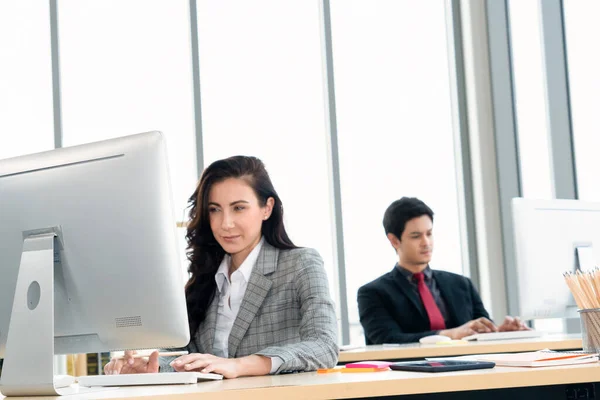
(231, 293)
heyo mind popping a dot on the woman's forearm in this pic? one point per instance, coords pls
(253, 365)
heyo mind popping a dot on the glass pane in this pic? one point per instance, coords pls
(581, 33)
(126, 68)
(530, 99)
(395, 130)
(262, 95)
(26, 120)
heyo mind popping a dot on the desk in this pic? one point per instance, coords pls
(416, 350)
(310, 385)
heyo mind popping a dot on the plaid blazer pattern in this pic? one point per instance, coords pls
(286, 312)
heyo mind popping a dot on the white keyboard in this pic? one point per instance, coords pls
(159, 378)
(504, 335)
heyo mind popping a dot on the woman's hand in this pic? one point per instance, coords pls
(228, 367)
(130, 365)
(205, 363)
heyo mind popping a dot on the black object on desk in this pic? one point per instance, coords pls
(441, 366)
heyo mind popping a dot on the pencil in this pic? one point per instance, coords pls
(585, 287)
(160, 354)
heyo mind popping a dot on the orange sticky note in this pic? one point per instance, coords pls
(328, 370)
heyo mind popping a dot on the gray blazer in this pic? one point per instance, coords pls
(286, 312)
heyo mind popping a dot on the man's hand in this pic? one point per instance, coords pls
(513, 324)
(479, 325)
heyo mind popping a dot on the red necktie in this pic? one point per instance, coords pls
(436, 320)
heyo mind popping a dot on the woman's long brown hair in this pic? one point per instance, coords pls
(204, 252)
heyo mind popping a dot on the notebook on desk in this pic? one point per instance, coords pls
(158, 378)
(542, 358)
(504, 335)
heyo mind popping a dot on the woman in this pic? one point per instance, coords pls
(256, 303)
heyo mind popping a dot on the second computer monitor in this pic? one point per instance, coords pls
(552, 237)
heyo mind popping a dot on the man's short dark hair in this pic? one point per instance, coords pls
(401, 211)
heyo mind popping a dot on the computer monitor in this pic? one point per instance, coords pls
(552, 237)
(88, 256)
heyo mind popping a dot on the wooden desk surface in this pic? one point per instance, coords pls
(416, 350)
(347, 385)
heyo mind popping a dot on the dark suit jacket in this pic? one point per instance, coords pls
(391, 312)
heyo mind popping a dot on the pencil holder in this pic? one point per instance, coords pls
(590, 329)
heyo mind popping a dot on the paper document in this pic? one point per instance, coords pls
(542, 358)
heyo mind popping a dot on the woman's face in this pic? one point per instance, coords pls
(236, 216)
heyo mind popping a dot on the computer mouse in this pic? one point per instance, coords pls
(433, 339)
(61, 381)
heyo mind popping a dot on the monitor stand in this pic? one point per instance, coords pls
(29, 357)
(584, 257)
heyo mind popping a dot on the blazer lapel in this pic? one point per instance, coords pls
(408, 291)
(206, 333)
(256, 292)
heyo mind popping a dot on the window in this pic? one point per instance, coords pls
(395, 131)
(125, 69)
(581, 33)
(530, 99)
(26, 118)
(262, 82)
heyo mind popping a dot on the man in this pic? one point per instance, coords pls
(413, 301)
